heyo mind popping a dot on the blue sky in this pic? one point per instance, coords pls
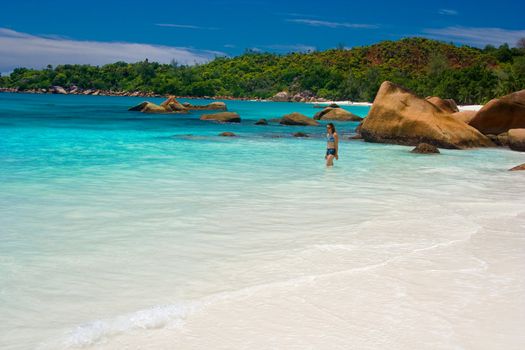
(37, 33)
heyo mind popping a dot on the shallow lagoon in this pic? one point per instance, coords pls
(122, 229)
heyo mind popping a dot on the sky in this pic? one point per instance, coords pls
(37, 33)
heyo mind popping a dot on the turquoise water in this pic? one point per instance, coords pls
(117, 227)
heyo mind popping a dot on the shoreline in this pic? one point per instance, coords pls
(89, 92)
(97, 92)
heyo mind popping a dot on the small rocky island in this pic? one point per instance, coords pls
(171, 105)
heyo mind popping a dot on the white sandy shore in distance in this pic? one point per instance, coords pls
(470, 108)
(342, 103)
(350, 103)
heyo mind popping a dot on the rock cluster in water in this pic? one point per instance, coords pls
(400, 117)
(171, 105)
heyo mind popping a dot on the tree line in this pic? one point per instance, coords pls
(428, 67)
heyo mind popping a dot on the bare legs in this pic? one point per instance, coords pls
(330, 160)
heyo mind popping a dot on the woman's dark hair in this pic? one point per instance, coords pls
(331, 125)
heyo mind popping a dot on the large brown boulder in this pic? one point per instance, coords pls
(224, 117)
(172, 105)
(501, 114)
(448, 105)
(516, 139)
(297, 119)
(400, 117)
(337, 114)
(465, 116)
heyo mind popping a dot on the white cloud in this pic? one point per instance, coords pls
(295, 14)
(317, 23)
(448, 12)
(184, 26)
(476, 36)
(25, 50)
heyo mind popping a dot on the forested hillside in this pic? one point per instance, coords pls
(428, 67)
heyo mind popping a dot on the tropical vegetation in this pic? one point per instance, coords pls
(428, 67)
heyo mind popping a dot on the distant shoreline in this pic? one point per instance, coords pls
(225, 98)
(92, 92)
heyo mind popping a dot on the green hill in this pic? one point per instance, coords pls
(429, 67)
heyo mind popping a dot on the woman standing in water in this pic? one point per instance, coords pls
(332, 145)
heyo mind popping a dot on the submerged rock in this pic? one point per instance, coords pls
(298, 119)
(261, 122)
(227, 134)
(400, 117)
(300, 134)
(501, 114)
(516, 139)
(224, 117)
(425, 148)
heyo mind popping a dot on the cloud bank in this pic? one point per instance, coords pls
(25, 50)
(476, 36)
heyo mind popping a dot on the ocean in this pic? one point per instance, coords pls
(121, 230)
